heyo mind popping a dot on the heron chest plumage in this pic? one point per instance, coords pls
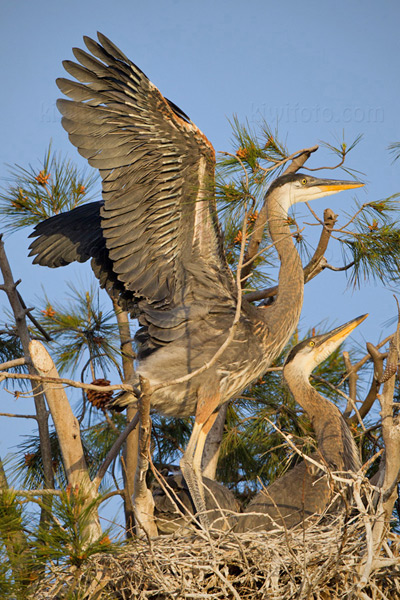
(244, 360)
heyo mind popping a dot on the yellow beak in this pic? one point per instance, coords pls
(344, 330)
(338, 186)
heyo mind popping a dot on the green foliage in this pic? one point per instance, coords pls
(242, 175)
(82, 331)
(395, 150)
(341, 150)
(97, 439)
(66, 541)
(28, 465)
(242, 179)
(10, 346)
(27, 549)
(15, 558)
(170, 437)
(34, 194)
(374, 245)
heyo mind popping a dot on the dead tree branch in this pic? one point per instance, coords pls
(10, 288)
(377, 358)
(144, 503)
(113, 453)
(130, 450)
(68, 382)
(9, 364)
(391, 439)
(68, 433)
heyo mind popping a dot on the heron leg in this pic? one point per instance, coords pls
(191, 460)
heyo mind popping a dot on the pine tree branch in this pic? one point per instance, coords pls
(13, 536)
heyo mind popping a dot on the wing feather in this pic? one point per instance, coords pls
(156, 238)
(138, 140)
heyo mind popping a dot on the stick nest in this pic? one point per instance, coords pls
(327, 560)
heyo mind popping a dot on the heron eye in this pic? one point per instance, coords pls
(303, 181)
(311, 343)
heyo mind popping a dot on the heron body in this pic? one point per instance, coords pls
(155, 243)
(174, 508)
(306, 490)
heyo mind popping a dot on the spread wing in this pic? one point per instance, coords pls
(77, 235)
(157, 169)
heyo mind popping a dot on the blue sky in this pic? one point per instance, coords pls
(312, 68)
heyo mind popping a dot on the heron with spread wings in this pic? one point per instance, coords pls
(155, 243)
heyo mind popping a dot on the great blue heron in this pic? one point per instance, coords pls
(174, 507)
(155, 241)
(305, 489)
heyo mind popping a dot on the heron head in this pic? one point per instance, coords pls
(311, 352)
(298, 187)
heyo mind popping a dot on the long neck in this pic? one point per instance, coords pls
(334, 438)
(283, 315)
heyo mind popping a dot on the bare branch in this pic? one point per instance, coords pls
(330, 168)
(32, 318)
(144, 502)
(10, 288)
(9, 364)
(345, 268)
(366, 406)
(19, 416)
(113, 453)
(130, 449)
(298, 159)
(391, 438)
(33, 493)
(68, 433)
(69, 382)
(352, 377)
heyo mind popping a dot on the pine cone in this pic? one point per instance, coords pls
(99, 399)
(390, 370)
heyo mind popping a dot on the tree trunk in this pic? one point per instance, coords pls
(131, 448)
(10, 287)
(68, 433)
(144, 502)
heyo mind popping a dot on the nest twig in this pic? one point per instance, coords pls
(318, 562)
